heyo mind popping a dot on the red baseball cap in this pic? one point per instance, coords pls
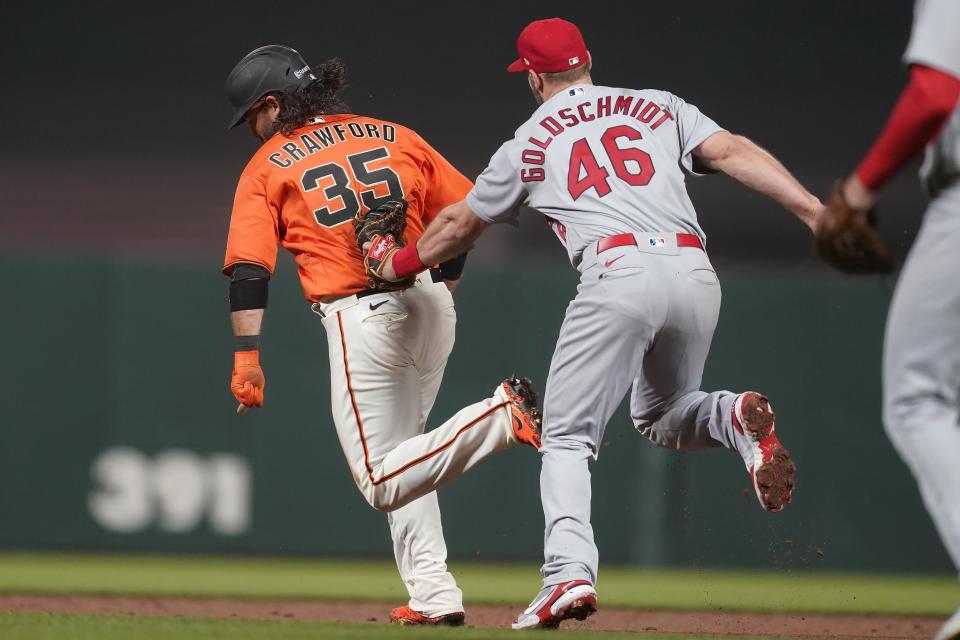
(549, 46)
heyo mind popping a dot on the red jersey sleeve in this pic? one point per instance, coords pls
(444, 184)
(923, 108)
(254, 230)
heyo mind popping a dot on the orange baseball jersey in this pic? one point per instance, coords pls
(303, 192)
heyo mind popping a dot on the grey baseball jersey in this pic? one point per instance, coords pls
(609, 163)
(921, 351)
(934, 43)
(599, 161)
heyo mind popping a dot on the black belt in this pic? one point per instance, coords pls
(434, 276)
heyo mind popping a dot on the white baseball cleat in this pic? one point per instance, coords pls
(573, 599)
(768, 462)
(950, 629)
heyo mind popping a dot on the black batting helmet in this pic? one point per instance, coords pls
(274, 67)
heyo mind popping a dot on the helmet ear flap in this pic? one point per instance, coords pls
(273, 67)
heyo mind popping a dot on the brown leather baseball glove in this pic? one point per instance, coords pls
(383, 228)
(846, 238)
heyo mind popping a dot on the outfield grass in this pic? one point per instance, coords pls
(513, 584)
(40, 626)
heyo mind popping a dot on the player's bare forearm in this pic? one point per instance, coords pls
(747, 163)
(246, 322)
(247, 379)
(451, 233)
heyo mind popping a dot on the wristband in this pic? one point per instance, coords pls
(247, 343)
(406, 262)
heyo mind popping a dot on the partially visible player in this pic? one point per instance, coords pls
(921, 352)
(317, 168)
(607, 167)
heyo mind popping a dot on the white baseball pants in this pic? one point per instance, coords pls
(387, 355)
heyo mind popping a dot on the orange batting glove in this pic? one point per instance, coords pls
(247, 381)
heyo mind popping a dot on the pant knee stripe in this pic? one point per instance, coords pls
(363, 440)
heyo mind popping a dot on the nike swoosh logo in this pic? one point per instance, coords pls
(374, 307)
(610, 262)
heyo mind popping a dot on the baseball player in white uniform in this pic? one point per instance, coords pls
(606, 167)
(921, 355)
(387, 348)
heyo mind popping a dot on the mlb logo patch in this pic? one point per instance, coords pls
(315, 120)
(574, 60)
(575, 92)
(658, 242)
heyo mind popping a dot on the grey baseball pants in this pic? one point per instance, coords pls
(921, 366)
(643, 318)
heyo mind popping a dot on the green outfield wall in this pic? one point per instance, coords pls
(118, 430)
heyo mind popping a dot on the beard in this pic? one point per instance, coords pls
(265, 130)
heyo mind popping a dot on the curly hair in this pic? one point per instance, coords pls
(321, 96)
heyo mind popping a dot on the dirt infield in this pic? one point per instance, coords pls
(633, 620)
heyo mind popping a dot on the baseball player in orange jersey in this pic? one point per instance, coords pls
(607, 167)
(317, 168)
